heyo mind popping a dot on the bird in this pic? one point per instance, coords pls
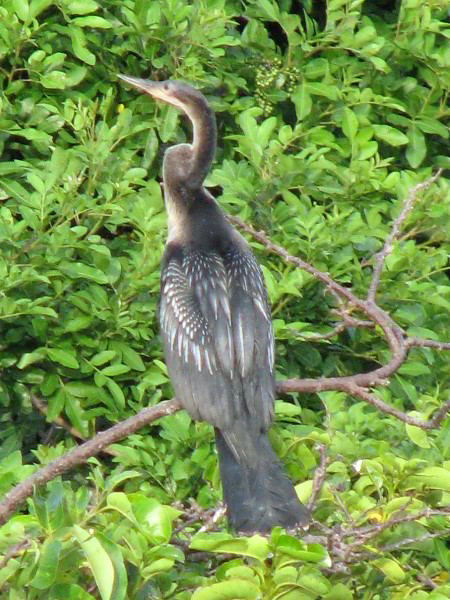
(216, 325)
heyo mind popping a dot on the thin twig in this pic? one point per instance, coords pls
(380, 257)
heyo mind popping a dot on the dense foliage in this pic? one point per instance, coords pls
(327, 114)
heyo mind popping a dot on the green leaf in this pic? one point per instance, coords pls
(47, 565)
(78, 323)
(131, 358)
(339, 592)
(62, 357)
(21, 9)
(417, 148)
(414, 368)
(321, 89)
(390, 135)
(98, 560)
(349, 124)
(432, 477)
(36, 182)
(103, 357)
(68, 591)
(297, 549)
(255, 546)
(37, 7)
(169, 124)
(418, 436)
(270, 8)
(29, 358)
(234, 589)
(78, 45)
(82, 7)
(315, 68)
(120, 573)
(312, 580)
(302, 101)
(92, 21)
(390, 568)
(115, 369)
(433, 126)
(116, 392)
(286, 409)
(78, 270)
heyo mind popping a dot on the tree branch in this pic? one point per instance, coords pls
(80, 454)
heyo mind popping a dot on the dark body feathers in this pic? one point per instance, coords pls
(216, 326)
(219, 348)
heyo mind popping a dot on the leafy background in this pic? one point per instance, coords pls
(327, 114)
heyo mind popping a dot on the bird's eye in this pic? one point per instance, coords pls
(166, 87)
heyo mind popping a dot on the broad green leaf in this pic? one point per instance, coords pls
(169, 124)
(21, 9)
(297, 549)
(321, 89)
(390, 135)
(36, 182)
(98, 560)
(265, 130)
(92, 21)
(37, 7)
(116, 392)
(62, 357)
(68, 591)
(119, 501)
(302, 101)
(315, 68)
(115, 370)
(47, 565)
(390, 568)
(339, 592)
(417, 148)
(270, 8)
(234, 589)
(78, 323)
(432, 477)
(414, 368)
(30, 358)
(56, 80)
(120, 574)
(103, 357)
(131, 358)
(158, 566)
(312, 580)
(56, 404)
(78, 44)
(418, 436)
(437, 300)
(349, 123)
(286, 409)
(82, 7)
(79, 270)
(429, 125)
(255, 546)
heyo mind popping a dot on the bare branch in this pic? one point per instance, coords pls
(80, 454)
(319, 475)
(380, 257)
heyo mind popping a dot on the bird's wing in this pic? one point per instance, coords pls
(217, 335)
(252, 332)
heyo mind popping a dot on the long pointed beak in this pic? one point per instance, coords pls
(154, 88)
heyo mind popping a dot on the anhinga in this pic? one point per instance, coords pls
(216, 324)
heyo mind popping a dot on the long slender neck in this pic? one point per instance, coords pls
(204, 141)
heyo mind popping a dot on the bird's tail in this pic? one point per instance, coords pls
(256, 491)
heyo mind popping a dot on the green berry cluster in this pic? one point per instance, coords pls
(270, 76)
